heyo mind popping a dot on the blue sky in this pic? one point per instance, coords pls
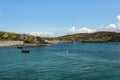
(54, 16)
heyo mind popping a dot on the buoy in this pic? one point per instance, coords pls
(67, 51)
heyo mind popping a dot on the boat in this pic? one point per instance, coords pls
(19, 47)
(25, 51)
(72, 41)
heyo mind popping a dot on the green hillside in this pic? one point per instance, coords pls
(81, 37)
(9, 36)
(92, 37)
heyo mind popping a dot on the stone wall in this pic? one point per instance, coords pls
(10, 43)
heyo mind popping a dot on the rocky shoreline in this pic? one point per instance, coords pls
(10, 43)
(19, 43)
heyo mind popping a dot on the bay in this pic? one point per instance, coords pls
(64, 61)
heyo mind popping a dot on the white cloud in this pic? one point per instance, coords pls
(86, 30)
(73, 30)
(118, 18)
(43, 34)
(111, 26)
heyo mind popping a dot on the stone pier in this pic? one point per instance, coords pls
(10, 43)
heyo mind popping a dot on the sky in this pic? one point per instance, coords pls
(51, 18)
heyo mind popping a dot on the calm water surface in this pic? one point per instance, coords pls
(68, 61)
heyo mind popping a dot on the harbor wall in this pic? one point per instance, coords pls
(10, 43)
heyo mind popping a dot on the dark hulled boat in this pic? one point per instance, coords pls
(19, 47)
(25, 51)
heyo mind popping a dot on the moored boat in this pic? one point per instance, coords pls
(25, 51)
(19, 47)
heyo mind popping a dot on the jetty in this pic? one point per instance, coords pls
(10, 43)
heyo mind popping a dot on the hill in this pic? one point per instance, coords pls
(92, 37)
(81, 37)
(9, 36)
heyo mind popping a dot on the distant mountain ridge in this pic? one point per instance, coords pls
(102, 36)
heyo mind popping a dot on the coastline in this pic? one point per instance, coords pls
(19, 43)
(10, 43)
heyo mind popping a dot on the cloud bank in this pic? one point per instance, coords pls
(73, 30)
(111, 27)
(43, 34)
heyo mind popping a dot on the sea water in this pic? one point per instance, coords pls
(65, 61)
